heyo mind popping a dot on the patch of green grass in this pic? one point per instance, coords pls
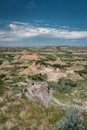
(19, 79)
(67, 82)
(83, 95)
(57, 66)
(34, 112)
(83, 71)
(14, 128)
(38, 77)
(84, 113)
(41, 62)
(13, 73)
(39, 112)
(18, 63)
(17, 88)
(8, 57)
(58, 87)
(3, 118)
(1, 61)
(62, 67)
(2, 88)
(2, 103)
(49, 57)
(62, 96)
(2, 76)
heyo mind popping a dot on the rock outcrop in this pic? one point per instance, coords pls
(38, 90)
(29, 56)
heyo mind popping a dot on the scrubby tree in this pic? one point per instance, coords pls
(72, 121)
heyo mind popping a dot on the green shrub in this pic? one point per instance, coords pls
(57, 66)
(41, 62)
(38, 77)
(1, 61)
(49, 57)
(8, 57)
(63, 85)
(19, 79)
(2, 76)
(72, 121)
(13, 73)
(59, 87)
(3, 118)
(83, 71)
(2, 89)
(67, 82)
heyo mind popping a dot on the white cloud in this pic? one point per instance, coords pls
(12, 26)
(20, 23)
(18, 31)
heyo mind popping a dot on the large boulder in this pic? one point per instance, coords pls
(38, 90)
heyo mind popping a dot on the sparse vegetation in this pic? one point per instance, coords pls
(63, 68)
(57, 66)
(72, 121)
(49, 57)
(67, 82)
(2, 88)
(38, 77)
(83, 71)
(59, 87)
(1, 61)
(42, 62)
(2, 76)
(3, 118)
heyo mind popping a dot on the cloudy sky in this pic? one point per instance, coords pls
(43, 22)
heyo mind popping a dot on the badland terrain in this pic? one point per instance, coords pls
(37, 84)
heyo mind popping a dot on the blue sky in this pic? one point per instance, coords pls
(43, 22)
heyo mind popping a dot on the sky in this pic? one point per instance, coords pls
(43, 23)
